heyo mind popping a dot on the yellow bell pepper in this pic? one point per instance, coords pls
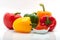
(22, 25)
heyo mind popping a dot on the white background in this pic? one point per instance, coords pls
(28, 6)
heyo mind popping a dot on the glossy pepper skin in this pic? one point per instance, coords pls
(22, 25)
(45, 20)
(9, 18)
(43, 13)
(48, 22)
(34, 19)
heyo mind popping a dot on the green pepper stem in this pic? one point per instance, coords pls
(17, 13)
(42, 6)
(47, 22)
(34, 13)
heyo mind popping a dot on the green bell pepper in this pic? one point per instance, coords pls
(34, 19)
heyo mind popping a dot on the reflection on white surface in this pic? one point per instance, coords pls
(29, 6)
(11, 35)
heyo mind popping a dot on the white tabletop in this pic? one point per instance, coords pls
(12, 35)
(29, 6)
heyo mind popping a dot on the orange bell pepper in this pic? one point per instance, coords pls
(43, 13)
